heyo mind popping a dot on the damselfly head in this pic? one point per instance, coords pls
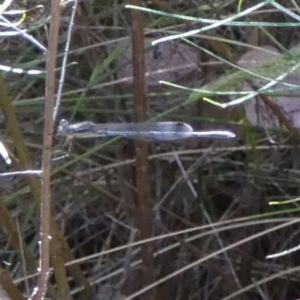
(80, 130)
(64, 128)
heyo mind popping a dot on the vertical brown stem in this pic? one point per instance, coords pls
(144, 214)
(47, 148)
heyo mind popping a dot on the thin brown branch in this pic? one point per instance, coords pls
(144, 215)
(47, 153)
(59, 250)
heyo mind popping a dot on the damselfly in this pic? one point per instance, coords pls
(149, 131)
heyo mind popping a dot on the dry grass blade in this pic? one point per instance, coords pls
(8, 291)
(23, 163)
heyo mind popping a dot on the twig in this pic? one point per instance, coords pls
(41, 289)
(144, 216)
